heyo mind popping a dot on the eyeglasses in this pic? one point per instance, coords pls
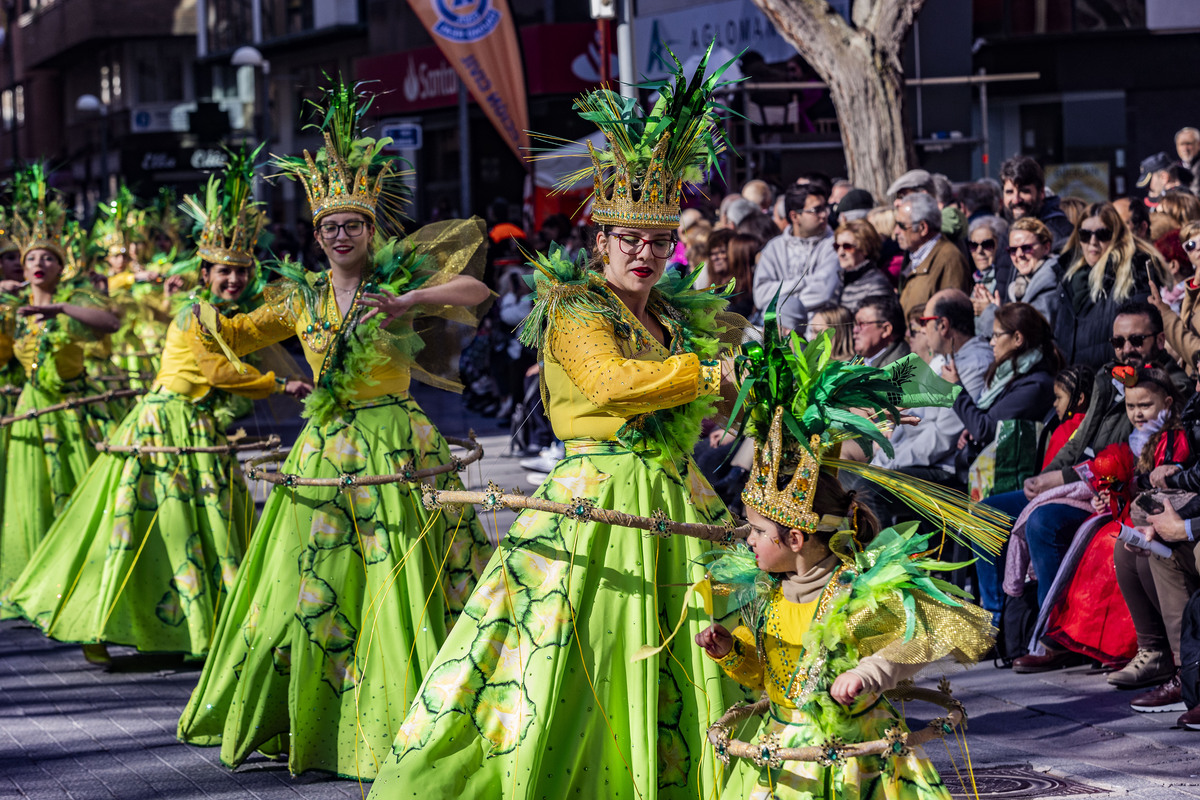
(1136, 340)
(997, 334)
(816, 211)
(915, 332)
(839, 246)
(864, 323)
(632, 245)
(906, 226)
(1026, 249)
(1100, 235)
(1190, 245)
(926, 320)
(986, 244)
(353, 229)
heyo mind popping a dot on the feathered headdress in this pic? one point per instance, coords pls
(351, 172)
(228, 219)
(638, 178)
(38, 215)
(799, 400)
(118, 223)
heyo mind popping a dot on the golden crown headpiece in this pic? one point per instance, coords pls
(118, 223)
(792, 505)
(338, 187)
(352, 172)
(638, 176)
(650, 200)
(38, 216)
(229, 219)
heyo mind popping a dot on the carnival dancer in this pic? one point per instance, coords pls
(536, 693)
(49, 453)
(146, 551)
(348, 589)
(835, 612)
(135, 289)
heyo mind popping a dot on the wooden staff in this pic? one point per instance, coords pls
(897, 742)
(585, 511)
(76, 402)
(254, 443)
(407, 474)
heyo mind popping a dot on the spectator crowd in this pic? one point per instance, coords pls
(1073, 329)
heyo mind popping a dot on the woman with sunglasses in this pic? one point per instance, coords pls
(1037, 271)
(987, 239)
(1183, 329)
(858, 247)
(1106, 268)
(348, 587)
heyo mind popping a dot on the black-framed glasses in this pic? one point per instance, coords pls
(839, 246)
(1101, 235)
(1190, 245)
(906, 226)
(632, 245)
(1026, 249)
(998, 334)
(986, 244)
(1136, 340)
(354, 228)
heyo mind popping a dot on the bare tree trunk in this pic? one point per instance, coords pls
(860, 61)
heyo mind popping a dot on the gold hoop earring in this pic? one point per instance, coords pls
(604, 257)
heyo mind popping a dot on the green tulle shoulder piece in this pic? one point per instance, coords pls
(735, 573)
(562, 287)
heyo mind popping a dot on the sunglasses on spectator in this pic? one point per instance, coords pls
(864, 323)
(839, 246)
(915, 331)
(1100, 235)
(926, 320)
(1190, 245)
(1026, 249)
(1136, 340)
(986, 244)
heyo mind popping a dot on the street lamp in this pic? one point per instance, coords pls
(247, 56)
(90, 104)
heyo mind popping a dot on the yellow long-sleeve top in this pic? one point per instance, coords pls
(770, 661)
(190, 369)
(275, 321)
(597, 379)
(67, 341)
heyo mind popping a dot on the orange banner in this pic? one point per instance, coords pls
(479, 40)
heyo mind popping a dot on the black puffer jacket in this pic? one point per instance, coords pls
(1084, 327)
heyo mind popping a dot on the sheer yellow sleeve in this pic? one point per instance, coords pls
(220, 374)
(120, 282)
(592, 357)
(245, 333)
(742, 662)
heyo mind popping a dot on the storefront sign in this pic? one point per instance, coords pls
(736, 25)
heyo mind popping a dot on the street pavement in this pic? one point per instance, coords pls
(72, 730)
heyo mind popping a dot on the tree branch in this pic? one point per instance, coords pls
(889, 21)
(812, 27)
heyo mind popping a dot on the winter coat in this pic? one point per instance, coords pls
(946, 267)
(866, 280)
(1042, 292)
(1084, 326)
(1027, 396)
(1183, 329)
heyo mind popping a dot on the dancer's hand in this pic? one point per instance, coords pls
(298, 389)
(390, 305)
(42, 312)
(846, 687)
(715, 640)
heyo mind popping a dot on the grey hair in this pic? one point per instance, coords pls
(923, 208)
(996, 225)
(740, 209)
(1190, 130)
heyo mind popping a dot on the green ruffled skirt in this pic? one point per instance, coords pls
(147, 548)
(47, 458)
(900, 777)
(535, 693)
(341, 602)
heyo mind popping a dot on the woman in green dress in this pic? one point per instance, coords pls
(543, 688)
(48, 454)
(146, 551)
(347, 590)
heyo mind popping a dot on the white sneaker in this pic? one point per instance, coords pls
(536, 478)
(546, 458)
